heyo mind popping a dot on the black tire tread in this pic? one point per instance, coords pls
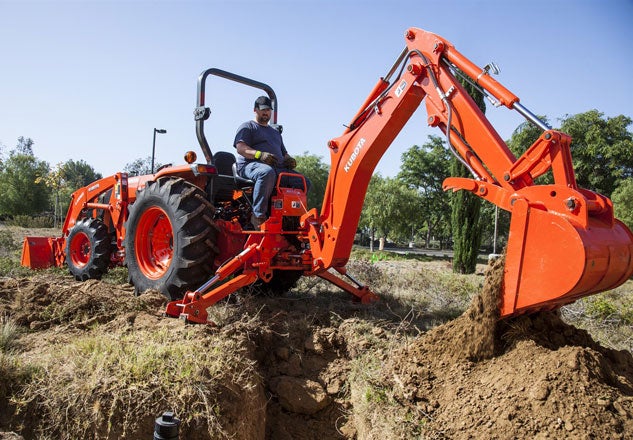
(100, 243)
(194, 233)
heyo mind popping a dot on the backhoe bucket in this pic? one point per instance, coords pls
(42, 252)
(552, 261)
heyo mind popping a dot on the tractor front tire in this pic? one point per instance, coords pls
(170, 242)
(88, 249)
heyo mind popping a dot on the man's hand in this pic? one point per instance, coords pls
(268, 159)
(289, 162)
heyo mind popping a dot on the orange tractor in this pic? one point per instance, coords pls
(183, 230)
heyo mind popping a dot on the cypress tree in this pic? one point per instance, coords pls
(466, 207)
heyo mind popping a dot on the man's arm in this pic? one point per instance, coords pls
(244, 150)
(249, 153)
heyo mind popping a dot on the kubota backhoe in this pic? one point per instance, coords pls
(183, 230)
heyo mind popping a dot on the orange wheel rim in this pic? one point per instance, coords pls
(80, 249)
(154, 243)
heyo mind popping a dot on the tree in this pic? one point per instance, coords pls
(466, 208)
(524, 136)
(24, 146)
(54, 181)
(424, 169)
(623, 202)
(65, 179)
(601, 149)
(467, 229)
(78, 174)
(388, 209)
(140, 167)
(495, 243)
(313, 167)
(22, 193)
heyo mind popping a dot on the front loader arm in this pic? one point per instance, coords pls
(114, 207)
(564, 242)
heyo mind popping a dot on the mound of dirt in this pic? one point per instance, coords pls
(528, 377)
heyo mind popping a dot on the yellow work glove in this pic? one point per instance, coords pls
(267, 158)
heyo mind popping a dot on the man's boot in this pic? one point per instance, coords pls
(257, 221)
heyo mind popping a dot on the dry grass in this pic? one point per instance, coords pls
(9, 334)
(377, 413)
(608, 316)
(105, 383)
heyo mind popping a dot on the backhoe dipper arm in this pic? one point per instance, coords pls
(564, 242)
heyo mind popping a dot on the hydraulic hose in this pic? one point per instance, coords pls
(449, 111)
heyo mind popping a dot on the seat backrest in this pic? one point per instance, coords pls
(223, 161)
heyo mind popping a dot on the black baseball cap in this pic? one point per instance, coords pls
(263, 103)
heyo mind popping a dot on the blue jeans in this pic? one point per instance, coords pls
(265, 178)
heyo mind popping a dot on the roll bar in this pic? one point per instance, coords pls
(202, 113)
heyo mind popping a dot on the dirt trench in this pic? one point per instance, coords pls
(284, 378)
(296, 367)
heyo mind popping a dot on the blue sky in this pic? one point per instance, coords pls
(90, 80)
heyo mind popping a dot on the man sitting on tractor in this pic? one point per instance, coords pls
(261, 157)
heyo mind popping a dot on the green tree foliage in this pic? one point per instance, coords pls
(390, 208)
(522, 138)
(140, 166)
(524, 135)
(467, 229)
(602, 149)
(22, 193)
(54, 181)
(424, 169)
(78, 174)
(466, 208)
(623, 202)
(312, 166)
(65, 179)
(24, 146)
(494, 243)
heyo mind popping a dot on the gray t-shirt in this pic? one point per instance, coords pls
(259, 137)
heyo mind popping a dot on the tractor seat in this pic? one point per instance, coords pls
(227, 181)
(239, 180)
(225, 164)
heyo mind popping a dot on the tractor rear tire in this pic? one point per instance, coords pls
(170, 242)
(88, 248)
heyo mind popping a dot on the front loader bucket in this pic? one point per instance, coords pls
(552, 261)
(42, 252)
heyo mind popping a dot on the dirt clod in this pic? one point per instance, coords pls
(299, 395)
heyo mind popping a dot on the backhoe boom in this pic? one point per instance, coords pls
(564, 242)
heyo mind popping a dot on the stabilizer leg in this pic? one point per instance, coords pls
(193, 306)
(359, 290)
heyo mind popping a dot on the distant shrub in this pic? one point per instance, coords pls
(10, 267)
(601, 308)
(7, 242)
(27, 221)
